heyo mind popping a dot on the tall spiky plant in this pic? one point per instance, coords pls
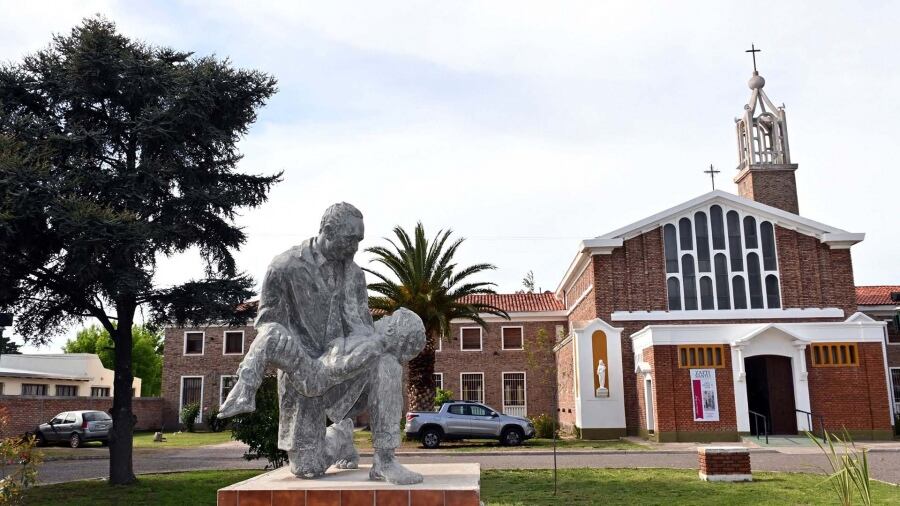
(424, 278)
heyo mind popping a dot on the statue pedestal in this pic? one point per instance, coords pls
(601, 392)
(444, 485)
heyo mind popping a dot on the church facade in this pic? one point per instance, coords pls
(723, 316)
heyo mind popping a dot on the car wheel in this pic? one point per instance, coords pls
(40, 440)
(431, 438)
(75, 440)
(512, 437)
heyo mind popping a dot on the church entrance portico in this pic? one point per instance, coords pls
(770, 392)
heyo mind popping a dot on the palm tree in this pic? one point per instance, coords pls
(427, 281)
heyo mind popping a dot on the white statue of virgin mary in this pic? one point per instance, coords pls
(602, 391)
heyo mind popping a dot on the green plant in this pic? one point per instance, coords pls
(213, 421)
(259, 429)
(17, 453)
(441, 396)
(146, 353)
(849, 468)
(189, 415)
(544, 425)
(429, 282)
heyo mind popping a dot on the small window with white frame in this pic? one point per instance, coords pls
(438, 343)
(472, 386)
(34, 389)
(470, 339)
(225, 386)
(233, 342)
(438, 380)
(513, 338)
(100, 391)
(514, 403)
(193, 343)
(66, 391)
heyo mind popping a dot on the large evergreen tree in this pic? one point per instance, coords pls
(114, 154)
(425, 279)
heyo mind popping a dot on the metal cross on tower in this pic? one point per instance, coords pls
(753, 52)
(712, 175)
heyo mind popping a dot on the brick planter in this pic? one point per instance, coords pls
(724, 463)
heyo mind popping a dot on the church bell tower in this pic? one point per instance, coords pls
(765, 172)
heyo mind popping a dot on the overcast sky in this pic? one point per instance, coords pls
(528, 126)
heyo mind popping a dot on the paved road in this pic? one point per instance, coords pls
(884, 465)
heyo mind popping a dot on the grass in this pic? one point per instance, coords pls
(363, 440)
(515, 487)
(142, 442)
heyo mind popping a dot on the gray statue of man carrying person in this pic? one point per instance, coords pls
(315, 327)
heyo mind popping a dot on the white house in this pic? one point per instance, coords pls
(58, 375)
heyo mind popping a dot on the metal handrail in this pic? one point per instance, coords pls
(809, 421)
(756, 417)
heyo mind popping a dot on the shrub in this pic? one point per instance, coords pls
(213, 421)
(189, 416)
(259, 429)
(849, 468)
(543, 426)
(18, 464)
(441, 396)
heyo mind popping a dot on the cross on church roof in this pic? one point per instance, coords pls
(753, 52)
(712, 175)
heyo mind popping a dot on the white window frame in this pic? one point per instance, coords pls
(101, 386)
(181, 396)
(225, 341)
(480, 338)
(440, 343)
(503, 390)
(202, 344)
(503, 336)
(222, 386)
(461, 397)
(893, 392)
(442, 379)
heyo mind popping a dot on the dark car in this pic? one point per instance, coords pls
(75, 428)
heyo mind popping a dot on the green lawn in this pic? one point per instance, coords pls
(516, 487)
(181, 439)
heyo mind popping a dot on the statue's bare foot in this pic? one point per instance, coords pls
(386, 468)
(339, 445)
(241, 399)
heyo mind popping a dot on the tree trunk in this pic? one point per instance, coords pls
(121, 470)
(420, 385)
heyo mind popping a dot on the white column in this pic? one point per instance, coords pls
(801, 386)
(740, 389)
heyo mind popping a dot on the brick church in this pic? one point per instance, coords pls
(722, 316)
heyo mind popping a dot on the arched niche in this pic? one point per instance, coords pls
(599, 347)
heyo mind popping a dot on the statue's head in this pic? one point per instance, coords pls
(341, 231)
(404, 334)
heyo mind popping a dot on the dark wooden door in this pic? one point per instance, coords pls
(781, 394)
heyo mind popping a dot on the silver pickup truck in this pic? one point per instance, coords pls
(466, 420)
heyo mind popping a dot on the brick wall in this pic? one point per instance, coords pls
(777, 188)
(492, 360)
(851, 397)
(27, 412)
(812, 274)
(673, 397)
(565, 377)
(211, 365)
(584, 310)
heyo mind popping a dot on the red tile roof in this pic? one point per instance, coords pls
(509, 302)
(519, 302)
(875, 295)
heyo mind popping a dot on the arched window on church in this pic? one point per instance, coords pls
(750, 239)
(718, 227)
(739, 291)
(706, 293)
(674, 289)
(671, 246)
(690, 282)
(702, 234)
(770, 262)
(722, 295)
(734, 241)
(684, 230)
(772, 296)
(755, 282)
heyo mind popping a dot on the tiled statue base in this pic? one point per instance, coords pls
(444, 485)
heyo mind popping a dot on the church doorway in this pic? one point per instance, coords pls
(770, 392)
